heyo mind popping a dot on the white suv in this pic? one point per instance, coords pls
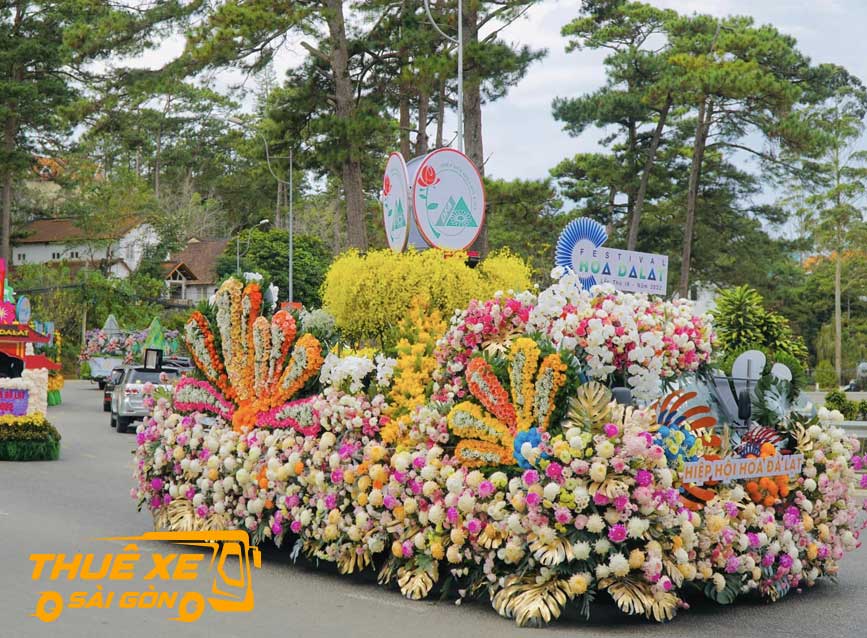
(127, 400)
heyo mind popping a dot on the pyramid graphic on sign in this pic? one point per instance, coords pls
(456, 215)
(399, 218)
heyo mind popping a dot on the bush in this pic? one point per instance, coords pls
(837, 400)
(826, 376)
(370, 294)
(741, 321)
(28, 438)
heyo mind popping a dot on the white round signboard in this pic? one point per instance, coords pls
(448, 200)
(395, 202)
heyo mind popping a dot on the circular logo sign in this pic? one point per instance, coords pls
(395, 202)
(580, 236)
(448, 200)
(22, 310)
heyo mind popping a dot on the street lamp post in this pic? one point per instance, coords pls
(459, 41)
(238, 121)
(247, 249)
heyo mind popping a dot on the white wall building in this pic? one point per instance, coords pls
(60, 240)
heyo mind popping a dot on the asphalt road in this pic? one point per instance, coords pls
(64, 506)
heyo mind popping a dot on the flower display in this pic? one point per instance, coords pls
(260, 367)
(497, 461)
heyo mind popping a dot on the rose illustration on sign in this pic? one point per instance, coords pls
(386, 186)
(427, 178)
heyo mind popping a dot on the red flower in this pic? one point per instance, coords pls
(428, 177)
(386, 186)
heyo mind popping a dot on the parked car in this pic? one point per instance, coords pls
(127, 400)
(112, 380)
(181, 364)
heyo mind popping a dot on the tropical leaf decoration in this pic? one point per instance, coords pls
(590, 408)
(729, 593)
(259, 366)
(635, 596)
(488, 425)
(416, 583)
(531, 604)
(551, 552)
(687, 433)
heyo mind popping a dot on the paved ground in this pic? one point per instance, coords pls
(63, 506)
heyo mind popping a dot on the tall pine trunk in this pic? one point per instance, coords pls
(638, 209)
(421, 142)
(838, 319)
(9, 131)
(441, 112)
(702, 128)
(353, 188)
(473, 110)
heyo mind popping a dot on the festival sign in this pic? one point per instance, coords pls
(448, 199)
(395, 202)
(580, 249)
(22, 309)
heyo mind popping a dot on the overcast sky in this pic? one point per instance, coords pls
(522, 139)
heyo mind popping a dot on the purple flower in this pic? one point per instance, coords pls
(732, 564)
(731, 509)
(418, 462)
(617, 533)
(754, 539)
(276, 528)
(610, 430)
(554, 471)
(157, 484)
(864, 482)
(786, 561)
(562, 515)
(292, 500)
(202, 511)
(389, 502)
(474, 526)
(452, 515)
(486, 488)
(533, 499)
(407, 549)
(621, 502)
(767, 560)
(295, 526)
(331, 501)
(643, 478)
(337, 476)
(600, 499)
(531, 477)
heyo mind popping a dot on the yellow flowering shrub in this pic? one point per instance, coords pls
(413, 372)
(370, 294)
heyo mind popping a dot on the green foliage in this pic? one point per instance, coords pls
(826, 376)
(837, 400)
(526, 217)
(28, 438)
(741, 321)
(268, 254)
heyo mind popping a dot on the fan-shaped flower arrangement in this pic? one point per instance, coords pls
(259, 367)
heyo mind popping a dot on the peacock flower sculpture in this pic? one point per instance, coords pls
(493, 425)
(259, 367)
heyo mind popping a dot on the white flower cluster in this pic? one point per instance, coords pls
(644, 338)
(346, 373)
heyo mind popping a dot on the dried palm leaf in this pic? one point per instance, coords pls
(632, 596)
(554, 552)
(161, 519)
(181, 517)
(386, 574)
(529, 603)
(351, 561)
(417, 583)
(610, 487)
(673, 572)
(590, 407)
(215, 522)
(490, 538)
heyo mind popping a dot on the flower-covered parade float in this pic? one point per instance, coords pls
(487, 456)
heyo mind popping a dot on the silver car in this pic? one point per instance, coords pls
(127, 400)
